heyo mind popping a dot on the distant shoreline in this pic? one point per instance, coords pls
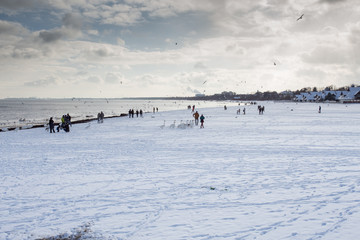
(73, 122)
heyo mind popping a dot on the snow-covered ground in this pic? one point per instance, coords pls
(291, 173)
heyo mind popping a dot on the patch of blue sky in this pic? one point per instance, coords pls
(34, 21)
(160, 33)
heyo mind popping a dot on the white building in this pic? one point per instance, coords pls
(353, 95)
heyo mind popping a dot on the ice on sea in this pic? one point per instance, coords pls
(291, 173)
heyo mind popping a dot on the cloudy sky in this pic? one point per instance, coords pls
(137, 48)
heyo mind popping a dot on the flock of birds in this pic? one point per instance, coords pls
(181, 125)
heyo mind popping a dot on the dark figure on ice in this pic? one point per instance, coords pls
(193, 108)
(244, 111)
(196, 116)
(141, 113)
(225, 108)
(137, 113)
(202, 119)
(319, 109)
(132, 113)
(51, 125)
(261, 109)
(68, 119)
(100, 117)
(67, 127)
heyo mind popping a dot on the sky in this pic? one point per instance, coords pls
(161, 48)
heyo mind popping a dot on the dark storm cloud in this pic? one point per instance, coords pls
(50, 36)
(71, 28)
(72, 21)
(102, 52)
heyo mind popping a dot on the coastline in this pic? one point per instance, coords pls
(43, 125)
(20, 114)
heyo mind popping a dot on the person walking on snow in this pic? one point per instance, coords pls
(51, 125)
(196, 116)
(202, 118)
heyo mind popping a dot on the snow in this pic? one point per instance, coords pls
(291, 173)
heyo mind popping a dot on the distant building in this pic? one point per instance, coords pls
(352, 95)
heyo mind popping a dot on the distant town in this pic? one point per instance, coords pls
(348, 94)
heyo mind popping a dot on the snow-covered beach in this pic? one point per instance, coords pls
(291, 173)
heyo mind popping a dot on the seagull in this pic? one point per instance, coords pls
(300, 17)
(204, 82)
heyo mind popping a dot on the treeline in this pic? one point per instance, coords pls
(262, 96)
(245, 97)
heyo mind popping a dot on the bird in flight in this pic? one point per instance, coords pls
(204, 82)
(300, 17)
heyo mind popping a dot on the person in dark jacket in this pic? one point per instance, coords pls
(51, 125)
(202, 119)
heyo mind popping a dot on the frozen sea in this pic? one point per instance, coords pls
(33, 111)
(291, 173)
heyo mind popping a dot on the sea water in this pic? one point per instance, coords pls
(26, 112)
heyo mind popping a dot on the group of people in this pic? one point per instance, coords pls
(137, 112)
(238, 112)
(192, 108)
(66, 119)
(197, 116)
(65, 124)
(261, 109)
(100, 117)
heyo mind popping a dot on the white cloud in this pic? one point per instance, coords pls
(233, 46)
(93, 32)
(12, 28)
(42, 82)
(93, 80)
(113, 78)
(120, 42)
(200, 65)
